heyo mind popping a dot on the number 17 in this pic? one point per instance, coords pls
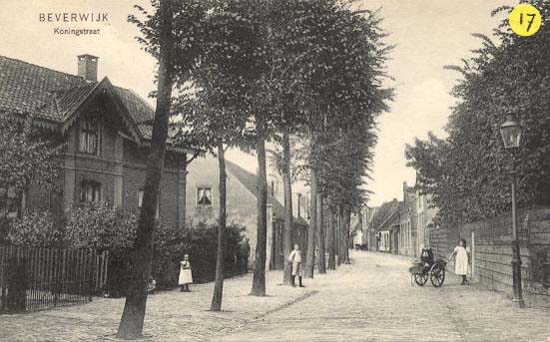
(532, 15)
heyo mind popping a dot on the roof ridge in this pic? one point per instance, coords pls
(386, 219)
(89, 91)
(241, 169)
(43, 67)
(271, 199)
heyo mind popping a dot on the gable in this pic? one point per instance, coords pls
(55, 96)
(249, 181)
(104, 95)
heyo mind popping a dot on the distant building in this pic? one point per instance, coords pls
(403, 227)
(425, 214)
(203, 197)
(407, 222)
(385, 228)
(363, 232)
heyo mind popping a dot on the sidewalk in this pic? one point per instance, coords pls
(171, 315)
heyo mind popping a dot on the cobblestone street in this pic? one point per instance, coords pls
(370, 300)
(374, 301)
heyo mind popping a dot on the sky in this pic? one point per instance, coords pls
(428, 35)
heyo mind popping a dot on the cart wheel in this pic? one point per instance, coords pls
(437, 276)
(420, 278)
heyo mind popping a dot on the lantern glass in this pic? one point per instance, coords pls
(511, 134)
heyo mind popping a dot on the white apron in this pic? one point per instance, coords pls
(461, 260)
(185, 273)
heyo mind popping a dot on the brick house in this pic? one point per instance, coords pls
(106, 131)
(362, 229)
(202, 205)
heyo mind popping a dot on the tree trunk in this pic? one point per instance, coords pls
(258, 281)
(287, 184)
(339, 235)
(310, 259)
(183, 200)
(131, 323)
(332, 241)
(218, 286)
(345, 236)
(321, 267)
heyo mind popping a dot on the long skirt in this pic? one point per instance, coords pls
(461, 262)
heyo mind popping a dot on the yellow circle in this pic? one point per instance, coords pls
(525, 20)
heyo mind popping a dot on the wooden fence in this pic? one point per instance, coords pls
(39, 278)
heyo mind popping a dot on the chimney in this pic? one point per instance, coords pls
(87, 67)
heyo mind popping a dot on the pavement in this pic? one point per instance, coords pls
(370, 300)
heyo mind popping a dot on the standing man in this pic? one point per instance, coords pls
(295, 258)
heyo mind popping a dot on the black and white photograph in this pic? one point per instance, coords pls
(275, 170)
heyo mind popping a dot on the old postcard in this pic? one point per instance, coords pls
(274, 170)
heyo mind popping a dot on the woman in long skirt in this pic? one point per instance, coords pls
(185, 277)
(462, 258)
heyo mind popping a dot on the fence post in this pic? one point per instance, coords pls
(105, 268)
(3, 281)
(91, 259)
(56, 276)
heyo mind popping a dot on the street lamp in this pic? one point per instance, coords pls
(511, 136)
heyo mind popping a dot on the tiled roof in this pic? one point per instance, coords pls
(386, 215)
(139, 109)
(69, 100)
(28, 88)
(249, 180)
(49, 94)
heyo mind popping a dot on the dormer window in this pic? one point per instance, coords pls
(90, 136)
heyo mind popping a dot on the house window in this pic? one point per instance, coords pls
(90, 137)
(10, 203)
(90, 191)
(204, 196)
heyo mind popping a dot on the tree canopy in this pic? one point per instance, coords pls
(469, 173)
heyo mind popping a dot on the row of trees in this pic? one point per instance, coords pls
(246, 73)
(304, 76)
(468, 173)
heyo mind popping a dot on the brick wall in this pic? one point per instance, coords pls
(134, 179)
(490, 241)
(128, 168)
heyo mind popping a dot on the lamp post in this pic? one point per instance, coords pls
(511, 136)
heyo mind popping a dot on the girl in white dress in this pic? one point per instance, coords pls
(185, 277)
(462, 258)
